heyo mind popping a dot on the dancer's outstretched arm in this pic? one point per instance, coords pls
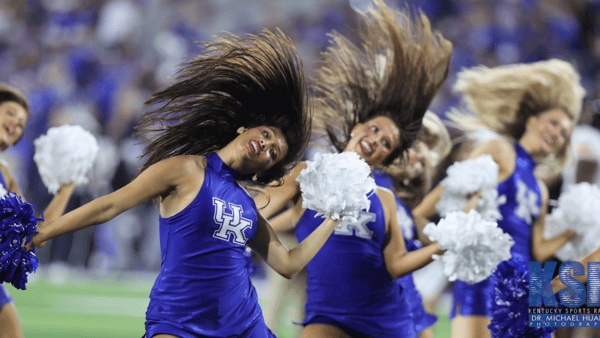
(159, 180)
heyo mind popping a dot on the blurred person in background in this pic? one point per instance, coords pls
(585, 142)
(583, 167)
(14, 113)
(410, 179)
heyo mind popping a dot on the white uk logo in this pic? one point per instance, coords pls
(359, 228)
(230, 224)
(527, 203)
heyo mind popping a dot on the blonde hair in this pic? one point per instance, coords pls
(395, 72)
(501, 99)
(435, 135)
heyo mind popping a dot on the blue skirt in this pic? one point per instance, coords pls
(4, 296)
(472, 299)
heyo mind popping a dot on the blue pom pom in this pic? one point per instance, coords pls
(17, 224)
(511, 303)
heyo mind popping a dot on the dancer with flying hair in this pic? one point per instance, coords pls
(410, 179)
(237, 115)
(533, 107)
(370, 99)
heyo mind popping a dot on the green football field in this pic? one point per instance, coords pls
(81, 305)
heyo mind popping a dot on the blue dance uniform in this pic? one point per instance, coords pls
(522, 207)
(348, 285)
(421, 318)
(5, 298)
(203, 289)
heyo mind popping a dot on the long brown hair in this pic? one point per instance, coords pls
(235, 82)
(395, 72)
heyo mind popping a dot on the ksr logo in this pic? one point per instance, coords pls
(540, 287)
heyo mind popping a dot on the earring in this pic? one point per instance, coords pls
(254, 178)
(241, 130)
(351, 134)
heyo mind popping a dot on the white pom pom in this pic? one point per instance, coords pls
(450, 202)
(474, 246)
(488, 204)
(466, 177)
(578, 209)
(336, 184)
(64, 155)
(469, 176)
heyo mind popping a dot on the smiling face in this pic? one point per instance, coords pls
(260, 148)
(374, 140)
(13, 118)
(549, 131)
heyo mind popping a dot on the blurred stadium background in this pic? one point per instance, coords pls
(94, 63)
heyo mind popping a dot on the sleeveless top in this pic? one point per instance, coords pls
(421, 318)
(203, 287)
(403, 212)
(523, 204)
(348, 281)
(521, 210)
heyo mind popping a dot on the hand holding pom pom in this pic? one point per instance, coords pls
(474, 246)
(336, 185)
(467, 177)
(578, 209)
(64, 155)
(17, 223)
(511, 303)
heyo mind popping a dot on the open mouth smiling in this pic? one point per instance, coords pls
(254, 147)
(366, 147)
